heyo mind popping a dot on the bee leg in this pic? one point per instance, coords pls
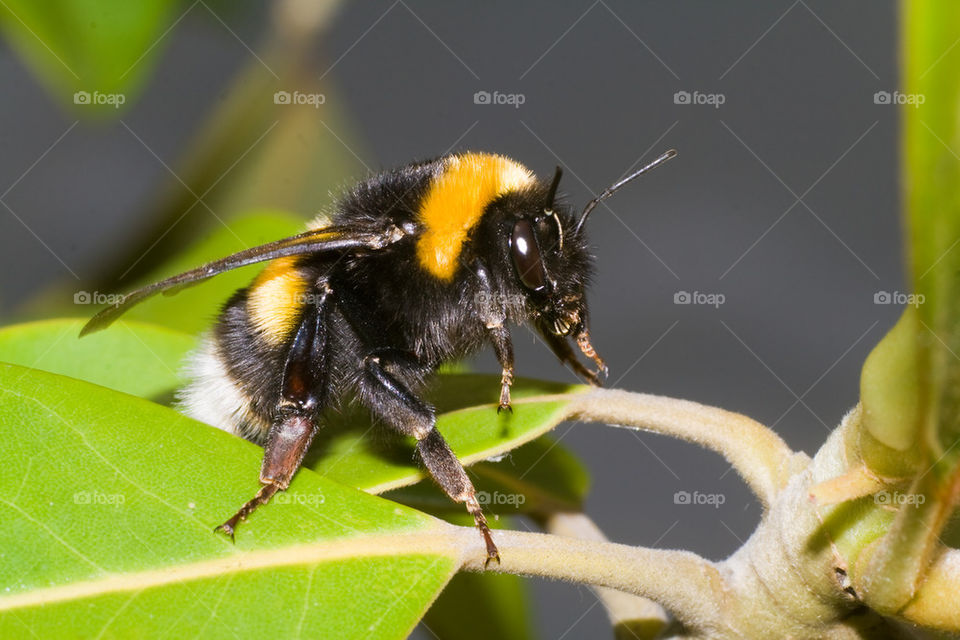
(494, 317)
(263, 496)
(583, 341)
(561, 348)
(302, 391)
(287, 444)
(503, 348)
(389, 399)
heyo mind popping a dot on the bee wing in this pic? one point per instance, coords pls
(333, 239)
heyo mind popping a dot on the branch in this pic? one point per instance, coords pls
(690, 587)
(757, 453)
(857, 482)
(642, 617)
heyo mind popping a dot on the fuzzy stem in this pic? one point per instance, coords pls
(857, 482)
(758, 454)
(638, 617)
(690, 587)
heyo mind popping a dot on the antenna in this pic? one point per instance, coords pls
(615, 187)
(553, 188)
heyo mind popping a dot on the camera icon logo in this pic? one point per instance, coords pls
(81, 97)
(481, 97)
(882, 97)
(682, 297)
(82, 297)
(281, 97)
(682, 97)
(681, 497)
(882, 297)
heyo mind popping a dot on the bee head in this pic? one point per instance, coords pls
(544, 258)
(550, 261)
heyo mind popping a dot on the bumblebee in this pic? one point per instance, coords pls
(418, 266)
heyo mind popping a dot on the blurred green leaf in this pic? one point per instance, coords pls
(932, 198)
(538, 478)
(912, 405)
(140, 359)
(349, 450)
(890, 397)
(481, 606)
(250, 153)
(90, 54)
(193, 308)
(106, 527)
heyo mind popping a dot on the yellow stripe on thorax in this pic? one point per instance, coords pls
(455, 203)
(276, 298)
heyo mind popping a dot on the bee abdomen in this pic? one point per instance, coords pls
(213, 397)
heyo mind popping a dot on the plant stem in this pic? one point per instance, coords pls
(689, 586)
(642, 618)
(758, 454)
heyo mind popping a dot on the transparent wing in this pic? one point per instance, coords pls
(333, 239)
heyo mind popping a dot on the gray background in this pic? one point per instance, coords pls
(798, 278)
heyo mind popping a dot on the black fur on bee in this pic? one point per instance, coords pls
(417, 267)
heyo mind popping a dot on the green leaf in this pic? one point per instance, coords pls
(107, 509)
(890, 396)
(476, 606)
(100, 47)
(912, 395)
(140, 359)
(345, 449)
(538, 478)
(481, 606)
(932, 197)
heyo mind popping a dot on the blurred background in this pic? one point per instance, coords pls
(753, 272)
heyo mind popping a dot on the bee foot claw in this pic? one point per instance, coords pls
(227, 529)
(492, 552)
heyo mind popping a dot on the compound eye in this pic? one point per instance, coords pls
(526, 256)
